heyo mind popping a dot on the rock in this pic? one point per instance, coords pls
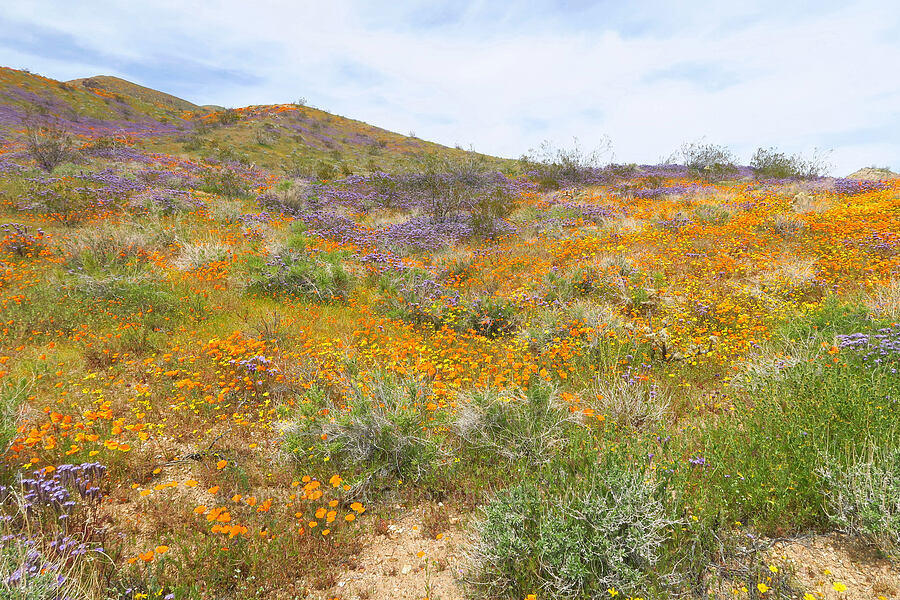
(405, 569)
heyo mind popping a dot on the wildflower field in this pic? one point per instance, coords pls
(220, 376)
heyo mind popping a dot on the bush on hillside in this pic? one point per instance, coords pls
(710, 162)
(772, 164)
(48, 145)
(605, 530)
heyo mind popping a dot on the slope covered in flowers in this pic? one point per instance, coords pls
(209, 367)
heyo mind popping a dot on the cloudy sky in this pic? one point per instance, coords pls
(503, 76)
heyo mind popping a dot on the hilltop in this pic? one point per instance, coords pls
(116, 85)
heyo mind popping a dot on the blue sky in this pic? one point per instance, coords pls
(504, 76)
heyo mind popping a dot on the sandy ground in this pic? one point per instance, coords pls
(400, 561)
(821, 561)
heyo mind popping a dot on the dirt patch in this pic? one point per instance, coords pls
(412, 555)
(873, 174)
(824, 564)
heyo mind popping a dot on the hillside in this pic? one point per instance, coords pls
(286, 138)
(115, 85)
(229, 368)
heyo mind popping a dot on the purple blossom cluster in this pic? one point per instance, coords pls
(8, 167)
(674, 223)
(670, 190)
(594, 213)
(53, 491)
(851, 187)
(883, 243)
(21, 242)
(58, 493)
(878, 350)
(33, 568)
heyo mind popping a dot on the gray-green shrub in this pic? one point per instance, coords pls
(603, 530)
(863, 497)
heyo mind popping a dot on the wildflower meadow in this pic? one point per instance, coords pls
(236, 345)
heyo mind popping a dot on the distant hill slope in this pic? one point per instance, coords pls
(290, 138)
(116, 85)
(84, 110)
(873, 174)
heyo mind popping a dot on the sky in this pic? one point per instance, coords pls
(504, 76)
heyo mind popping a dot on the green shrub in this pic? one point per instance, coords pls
(321, 277)
(553, 168)
(630, 401)
(603, 530)
(225, 183)
(379, 440)
(863, 497)
(772, 164)
(707, 161)
(529, 426)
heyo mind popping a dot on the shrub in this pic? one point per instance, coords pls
(707, 161)
(48, 145)
(229, 116)
(772, 164)
(630, 400)
(526, 426)
(321, 277)
(863, 497)
(604, 530)
(553, 168)
(379, 440)
(225, 183)
(488, 210)
(491, 316)
(199, 254)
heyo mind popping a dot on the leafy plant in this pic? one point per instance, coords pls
(772, 164)
(49, 145)
(604, 530)
(707, 161)
(863, 497)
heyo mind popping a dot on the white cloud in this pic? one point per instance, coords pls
(650, 75)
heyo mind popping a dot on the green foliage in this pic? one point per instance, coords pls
(604, 529)
(489, 209)
(553, 168)
(707, 161)
(320, 277)
(763, 460)
(12, 398)
(527, 427)
(772, 164)
(863, 496)
(225, 183)
(17, 582)
(379, 440)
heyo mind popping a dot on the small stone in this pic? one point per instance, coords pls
(405, 569)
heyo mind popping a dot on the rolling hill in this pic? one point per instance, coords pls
(288, 138)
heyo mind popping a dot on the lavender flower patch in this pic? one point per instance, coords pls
(19, 241)
(852, 187)
(877, 350)
(35, 547)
